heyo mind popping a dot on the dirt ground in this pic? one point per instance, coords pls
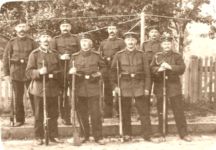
(204, 142)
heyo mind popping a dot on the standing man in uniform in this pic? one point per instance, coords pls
(45, 62)
(173, 65)
(134, 83)
(107, 49)
(15, 60)
(88, 67)
(65, 44)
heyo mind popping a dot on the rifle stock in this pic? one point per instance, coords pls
(64, 84)
(76, 135)
(46, 119)
(118, 96)
(164, 105)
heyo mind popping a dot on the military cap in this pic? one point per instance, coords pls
(131, 34)
(64, 21)
(85, 36)
(153, 27)
(166, 38)
(45, 32)
(113, 23)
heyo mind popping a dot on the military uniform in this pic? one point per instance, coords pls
(14, 64)
(35, 62)
(65, 44)
(88, 90)
(173, 87)
(107, 49)
(135, 79)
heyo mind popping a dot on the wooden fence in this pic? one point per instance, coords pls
(199, 80)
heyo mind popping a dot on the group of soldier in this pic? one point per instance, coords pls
(26, 62)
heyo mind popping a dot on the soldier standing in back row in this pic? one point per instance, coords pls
(89, 68)
(173, 65)
(14, 63)
(107, 49)
(44, 61)
(134, 83)
(65, 44)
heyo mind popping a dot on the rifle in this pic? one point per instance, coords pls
(118, 97)
(164, 105)
(46, 119)
(76, 135)
(101, 97)
(11, 99)
(65, 86)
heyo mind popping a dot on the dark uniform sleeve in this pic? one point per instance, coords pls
(102, 66)
(143, 47)
(122, 45)
(114, 71)
(147, 74)
(6, 58)
(35, 45)
(53, 44)
(31, 69)
(179, 66)
(154, 67)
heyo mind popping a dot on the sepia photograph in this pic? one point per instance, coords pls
(108, 74)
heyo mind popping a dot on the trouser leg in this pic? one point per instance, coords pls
(108, 98)
(18, 87)
(143, 108)
(83, 115)
(126, 115)
(38, 124)
(160, 115)
(96, 117)
(31, 97)
(177, 108)
(52, 112)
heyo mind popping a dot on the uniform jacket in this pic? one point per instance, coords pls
(151, 48)
(35, 62)
(173, 84)
(87, 63)
(109, 47)
(16, 55)
(134, 64)
(65, 44)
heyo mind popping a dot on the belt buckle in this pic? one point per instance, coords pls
(87, 77)
(132, 75)
(108, 58)
(50, 76)
(22, 61)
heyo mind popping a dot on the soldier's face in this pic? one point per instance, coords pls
(166, 45)
(44, 40)
(65, 28)
(21, 29)
(130, 42)
(112, 30)
(153, 34)
(85, 44)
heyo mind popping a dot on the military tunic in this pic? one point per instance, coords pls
(136, 63)
(173, 76)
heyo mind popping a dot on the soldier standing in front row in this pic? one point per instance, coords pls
(107, 50)
(134, 83)
(173, 65)
(35, 71)
(89, 68)
(65, 44)
(15, 60)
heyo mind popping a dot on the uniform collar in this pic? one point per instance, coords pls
(85, 53)
(167, 53)
(130, 52)
(112, 39)
(66, 35)
(22, 38)
(44, 50)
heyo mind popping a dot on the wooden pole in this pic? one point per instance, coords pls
(142, 30)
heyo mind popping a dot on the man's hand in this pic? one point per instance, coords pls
(166, 66)
(43, 71)
(116, 91)
(161, 69)
(146, 92)
(65, 57)
(97, 74)
(72, 70)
